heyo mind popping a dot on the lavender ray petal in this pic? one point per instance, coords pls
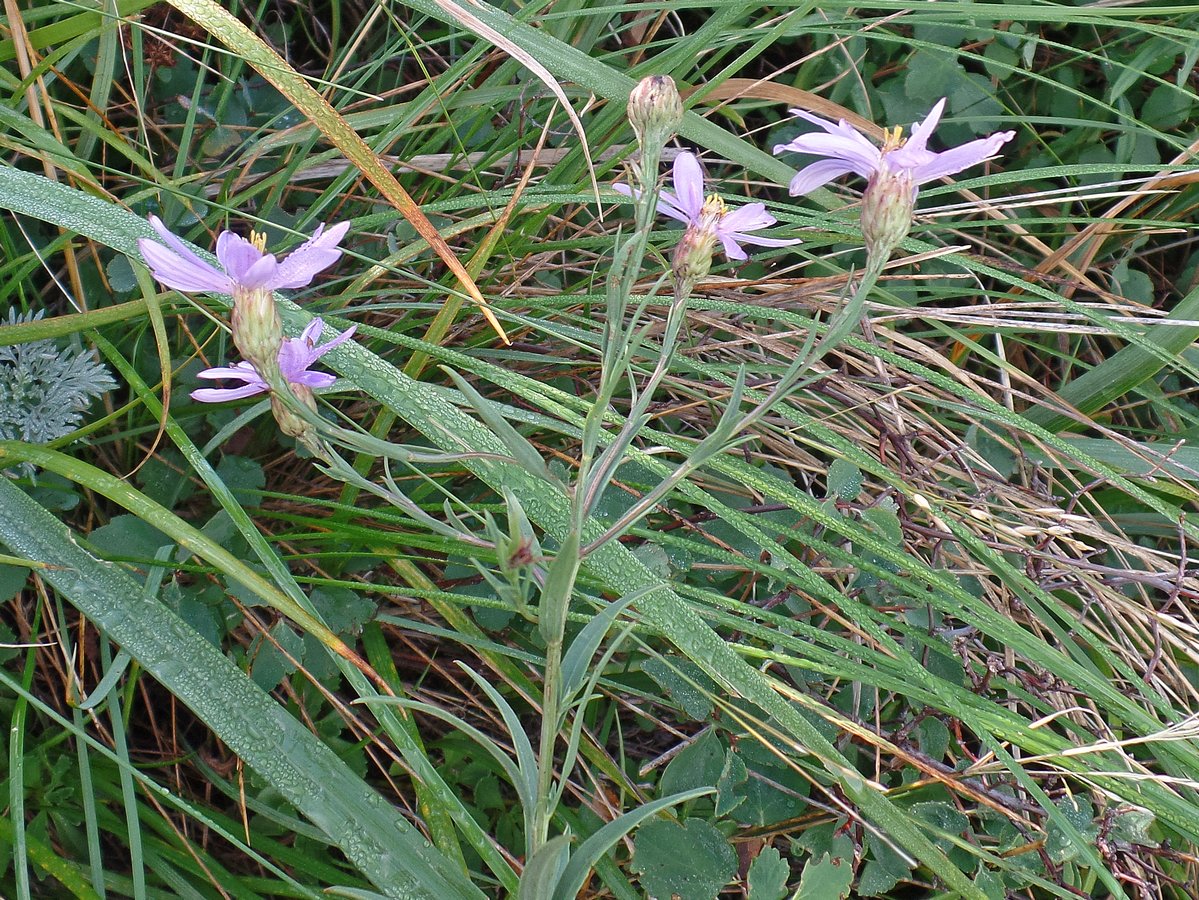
(313, 379)
(749, 217)
(176, 244)
(731, 248)
(242, 370)
(922, 131)
(908, 157)
(953, 161)
(315, 255)
(183, 273)
(340, 339)
(668, 205)
(263, 274)
(840, 127)
(236, 254)
(818, 174)
(295, 355)
(312, 331)
(861, 155)
(761, 241)
(689, 185)
(220, 395)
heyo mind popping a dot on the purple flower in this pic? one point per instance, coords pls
(296, 355)
(849, 151)
(246, 264)
(687, 205)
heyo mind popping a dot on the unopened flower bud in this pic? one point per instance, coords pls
(693, 253)
(655, 110)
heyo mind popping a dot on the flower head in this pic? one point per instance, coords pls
(245, 264)
(249, 274)
(687, 205)
(296, 355)
(693, 253)
(849, 151)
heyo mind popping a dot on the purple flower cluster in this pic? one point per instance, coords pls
(248, 271)
(847, 150)
(245, 265)
(296, 357)
(894, 175)
(686, 205)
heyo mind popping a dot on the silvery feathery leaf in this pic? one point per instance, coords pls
(45, 390)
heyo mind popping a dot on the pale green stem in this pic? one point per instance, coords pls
(845, 322)
(560, 579)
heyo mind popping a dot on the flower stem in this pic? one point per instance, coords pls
(595, 470)
(845, 321)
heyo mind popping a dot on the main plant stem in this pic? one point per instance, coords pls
(590, 480)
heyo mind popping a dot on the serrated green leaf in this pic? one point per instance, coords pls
(767, 876)
(244, 477)
(941, 815)
(343, 610)
(932, 737)
(128, 537)
(697, 765)
(729, 793)
(844, 480)
(772, 793)
(992, 884)
(884, 869)
(826, 878)
(12, 579)
(692, 861)
(591, 850)
(1131, 825)
(1080, 815)
(273, 658)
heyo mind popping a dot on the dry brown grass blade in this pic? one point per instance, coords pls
(1090, 239)
(737, 88)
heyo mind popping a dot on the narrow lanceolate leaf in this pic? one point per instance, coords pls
(380, 842)
(241, 40)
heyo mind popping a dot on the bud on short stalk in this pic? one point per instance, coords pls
(290, 423)
(655, 110)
